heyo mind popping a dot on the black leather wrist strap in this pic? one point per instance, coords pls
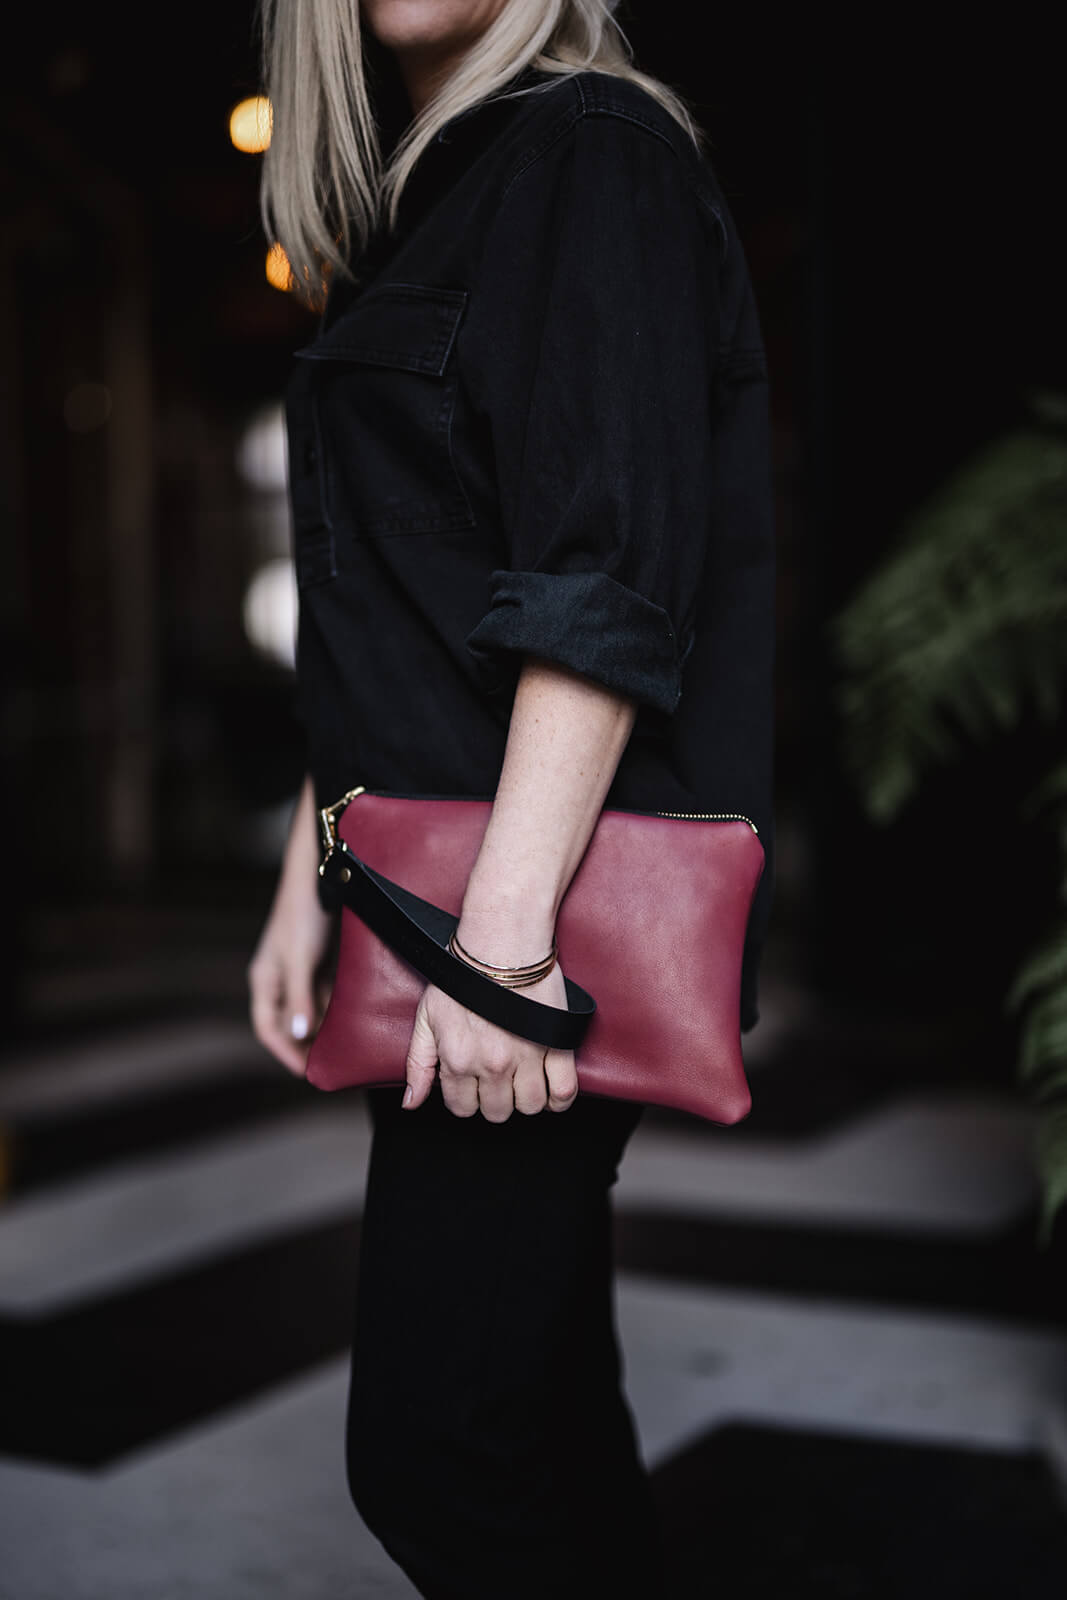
(419, 932)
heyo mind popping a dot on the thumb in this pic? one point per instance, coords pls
(421, 1063)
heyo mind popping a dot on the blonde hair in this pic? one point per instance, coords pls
(325, 186)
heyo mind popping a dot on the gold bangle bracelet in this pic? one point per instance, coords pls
(507, 977)
(518, 981)
(525, 983)
(491, 966)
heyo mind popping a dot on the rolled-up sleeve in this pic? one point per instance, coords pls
(588, 621)
(594, 337)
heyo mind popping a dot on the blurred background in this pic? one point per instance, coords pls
(848, 1311)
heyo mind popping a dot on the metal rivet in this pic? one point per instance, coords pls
(344, 874)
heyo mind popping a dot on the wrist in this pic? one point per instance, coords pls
(504, 932)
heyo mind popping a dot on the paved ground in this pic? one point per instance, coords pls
(844, 1353)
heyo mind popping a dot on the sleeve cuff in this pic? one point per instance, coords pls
(586, 621)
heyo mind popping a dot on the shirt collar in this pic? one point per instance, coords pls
(529, 75)
(452, 141)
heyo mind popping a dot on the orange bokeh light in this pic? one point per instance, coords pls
(279, 272)
(251, 124)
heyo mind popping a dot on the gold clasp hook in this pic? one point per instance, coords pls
(328, 823)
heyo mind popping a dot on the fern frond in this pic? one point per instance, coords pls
(1050, 795)
(957, 634)
(964, 626)
(1042, 1061)
(1046, 966)
(1050, 1149)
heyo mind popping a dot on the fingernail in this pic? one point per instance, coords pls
(298, 1026)
(409, 1095)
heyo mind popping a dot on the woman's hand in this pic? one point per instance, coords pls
(285, 1001)
(565, 736)
(483, 1067)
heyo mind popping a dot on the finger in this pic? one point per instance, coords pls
(531, 1085)
(496, 1096)
(459, 1090)
(420, 1066)
(270, 1021)
(562, 1075)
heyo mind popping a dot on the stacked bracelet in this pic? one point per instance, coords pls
(509, 977)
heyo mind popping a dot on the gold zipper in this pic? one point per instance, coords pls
(328, 817)
(710, 816)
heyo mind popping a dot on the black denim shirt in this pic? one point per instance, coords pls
(538, 425)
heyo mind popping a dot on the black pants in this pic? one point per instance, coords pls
(489, 1446)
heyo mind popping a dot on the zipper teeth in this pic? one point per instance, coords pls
(694, 816)
(709, 816)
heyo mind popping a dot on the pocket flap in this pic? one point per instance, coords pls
(408, 325)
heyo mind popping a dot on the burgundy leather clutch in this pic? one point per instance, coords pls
(652, 925)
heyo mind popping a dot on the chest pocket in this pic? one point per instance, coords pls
(383, 394)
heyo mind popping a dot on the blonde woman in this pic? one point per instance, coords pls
(532, 533)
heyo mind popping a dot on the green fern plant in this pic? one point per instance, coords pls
(961, 631)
